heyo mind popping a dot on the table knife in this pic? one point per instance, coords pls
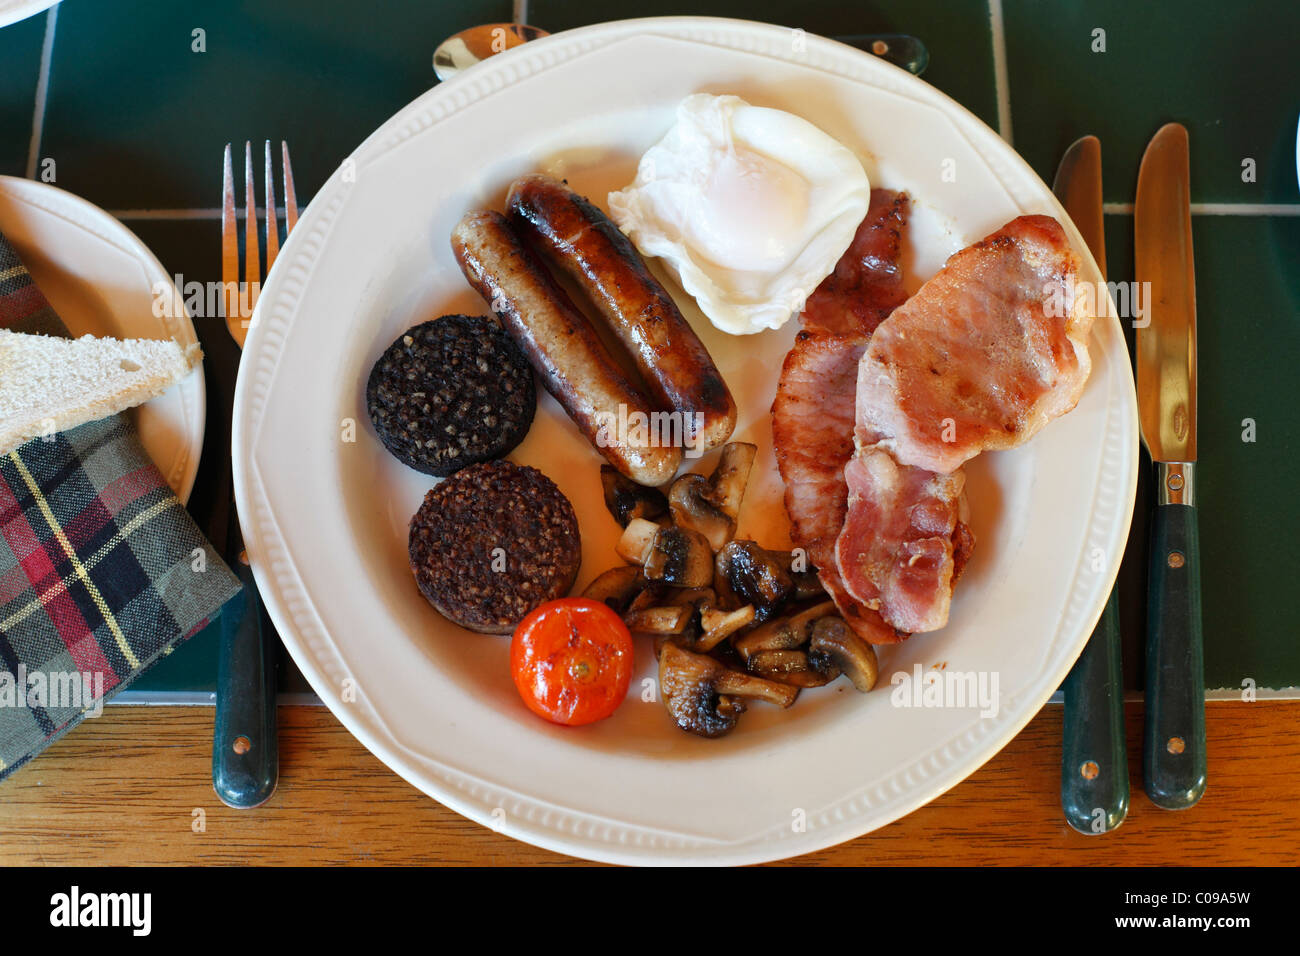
(1094, 761)
(1173, 746)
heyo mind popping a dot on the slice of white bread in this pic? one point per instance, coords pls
(49, 384)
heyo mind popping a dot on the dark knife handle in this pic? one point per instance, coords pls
(1094, 758)
(245, 749)
(1173, 757)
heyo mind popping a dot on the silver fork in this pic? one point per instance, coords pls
(245, 750)
(240, 303)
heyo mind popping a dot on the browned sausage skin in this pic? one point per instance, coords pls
(560, 343)
(580, 239)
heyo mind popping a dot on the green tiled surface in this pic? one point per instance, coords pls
(136, 120)
(1248, 298)
(1248, 338)
(20, 61)
(1228, 72)
(956, 32)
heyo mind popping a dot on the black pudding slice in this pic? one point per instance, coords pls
(450, 393)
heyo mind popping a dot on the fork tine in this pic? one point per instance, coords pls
(290, 197)
(272, 225)
(229, 241)
(252, 252)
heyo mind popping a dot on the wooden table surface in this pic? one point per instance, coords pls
(134, 787)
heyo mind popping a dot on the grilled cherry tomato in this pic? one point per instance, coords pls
(572, 661)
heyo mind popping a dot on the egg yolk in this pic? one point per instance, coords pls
(753, 212)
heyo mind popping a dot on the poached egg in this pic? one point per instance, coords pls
(749, 207)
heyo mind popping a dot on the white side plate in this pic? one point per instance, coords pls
(100, 279)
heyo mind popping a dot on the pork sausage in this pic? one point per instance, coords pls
(578, 238)
(562, 346)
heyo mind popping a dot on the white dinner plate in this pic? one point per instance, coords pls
(11, 11)
(325, 518)
(101, 279)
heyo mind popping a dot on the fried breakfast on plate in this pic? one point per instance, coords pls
(880, 402)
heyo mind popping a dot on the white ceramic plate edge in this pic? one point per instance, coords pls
(18, 10)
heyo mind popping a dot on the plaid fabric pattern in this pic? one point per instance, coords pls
(102, 570)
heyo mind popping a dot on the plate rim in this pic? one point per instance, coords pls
(114, 231)
(20, 10)
(507, 69)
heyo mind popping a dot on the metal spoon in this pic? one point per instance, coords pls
(464, 49)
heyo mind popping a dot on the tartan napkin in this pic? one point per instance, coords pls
(102, 570)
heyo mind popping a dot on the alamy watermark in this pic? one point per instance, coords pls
(637, 429)
(57, 690)
(1132, 300)
(202, 300)
(946, 689)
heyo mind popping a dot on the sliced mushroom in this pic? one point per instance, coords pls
(783, 633)
(754, 576)
(658, 620)
(689, 501)
(739, 684)
(727, 599)
(727, 486)
(650, 597)
(807, 585)
(697, 598)
(788, 667)
(804, 575)
(834, 645)
(616, 587)
(718, 625)
(776, 663)
(637, 540)
(627, 500)
(681, 558)
(700, 693)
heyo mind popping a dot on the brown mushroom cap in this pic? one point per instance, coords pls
(626, 500)
(754, 576)
(784, 633)
(680, 557)
(834, 645)
(616, 587)
(691, 507)
(789, 667)
(700, 692)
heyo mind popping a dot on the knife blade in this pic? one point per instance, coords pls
(1173, 751)
(1094, 759)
